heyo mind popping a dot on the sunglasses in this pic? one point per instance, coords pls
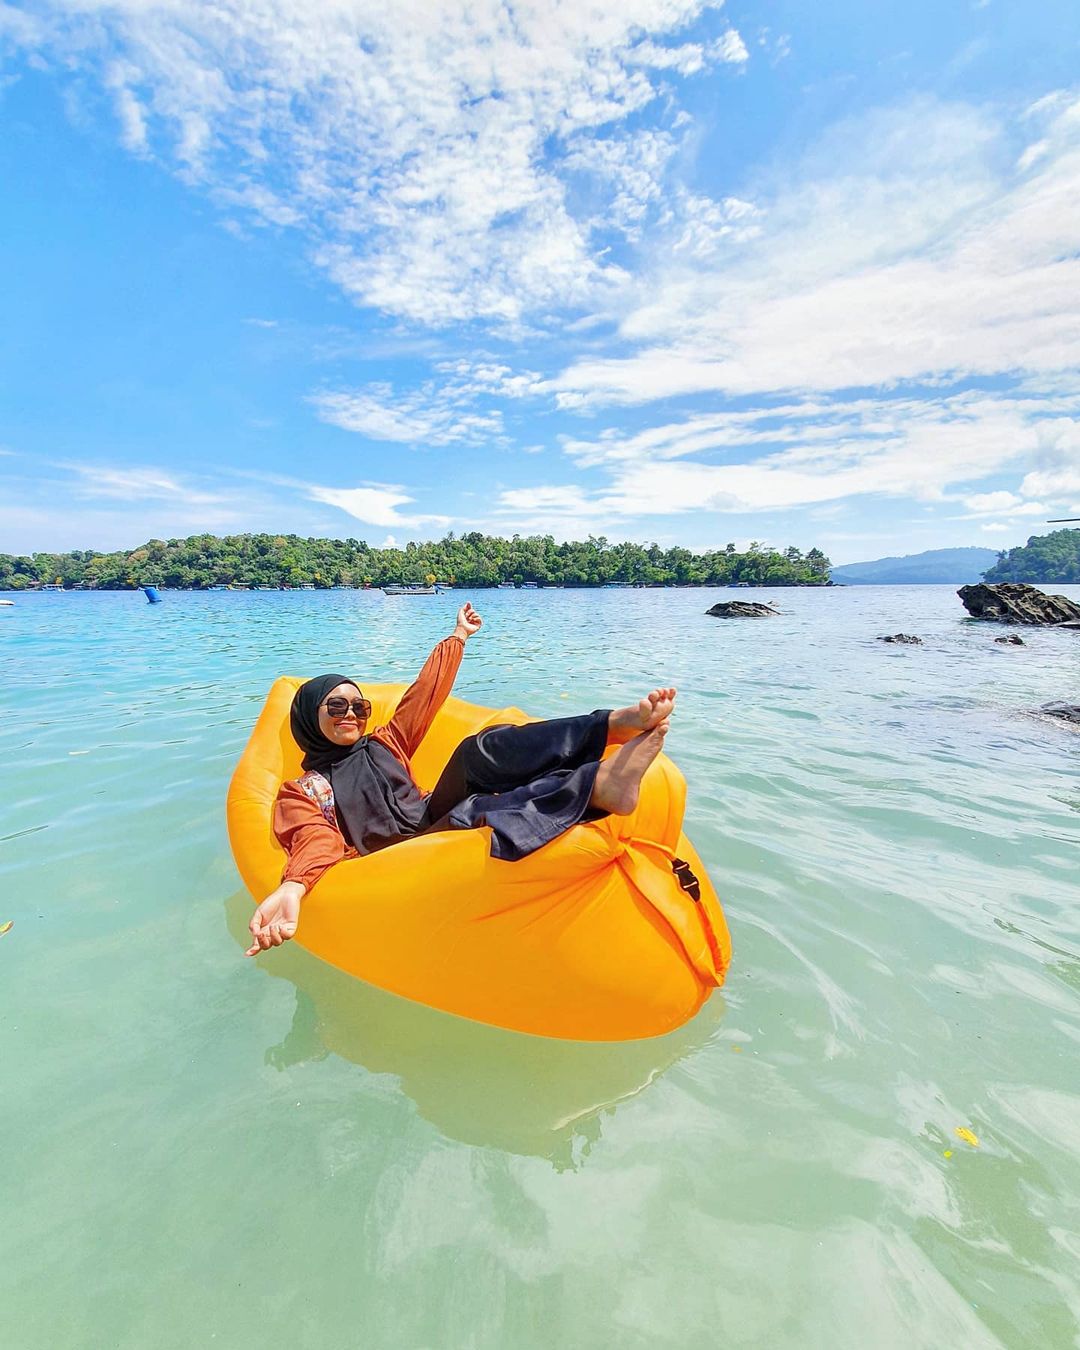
(338, 707)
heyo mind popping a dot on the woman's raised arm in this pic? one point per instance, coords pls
(425, 696)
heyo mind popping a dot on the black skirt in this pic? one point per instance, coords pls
(529, 784)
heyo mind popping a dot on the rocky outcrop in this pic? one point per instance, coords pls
(741, 609)
(1013, 602)
(1012, 640)
(1066, 712)
(908, 638)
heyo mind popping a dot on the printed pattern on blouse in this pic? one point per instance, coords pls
(321, 792)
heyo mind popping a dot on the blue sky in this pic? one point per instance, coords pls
(657, 270)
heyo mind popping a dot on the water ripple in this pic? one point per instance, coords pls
(895, 838)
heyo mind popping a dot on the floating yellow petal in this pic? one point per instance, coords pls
(968, 1136)
(947, 1153)
(5, 926)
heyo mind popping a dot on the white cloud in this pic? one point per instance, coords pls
(687, 59)
(990, 502)
(131, 113)
(925, 261)
(136, 485)
(631, 168)
(1056, 469)
(20, 27)
(567, 512)
(486, 378)
(422, 148)
(415, 418)
(64, 505)
(820, 452)
(82, 506)
(375, 505)
(909, 248)
(1059, 484)
(535, 500)
(28, 527)
(1003, 503)
(447, 410)
(706, 226)
(729, 47)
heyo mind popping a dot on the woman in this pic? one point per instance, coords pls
(529, 784)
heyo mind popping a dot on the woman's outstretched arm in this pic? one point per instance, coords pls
(275, 920)
(313, 844)
(425, 696)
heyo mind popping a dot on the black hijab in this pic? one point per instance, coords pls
(376, 801)
(320, 754)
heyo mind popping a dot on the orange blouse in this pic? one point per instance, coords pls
(311, 841)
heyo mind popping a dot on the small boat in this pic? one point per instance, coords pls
(53, 586)
(507, 586)
(528, 586)
(7, 602)
(408, 590)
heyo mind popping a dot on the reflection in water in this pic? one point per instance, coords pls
(475, 1083)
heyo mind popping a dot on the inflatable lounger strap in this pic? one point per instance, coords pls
(702, 950)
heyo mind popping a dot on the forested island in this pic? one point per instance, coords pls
(477, 560)
(1053, 557)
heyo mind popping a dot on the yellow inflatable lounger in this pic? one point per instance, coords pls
(593, 937)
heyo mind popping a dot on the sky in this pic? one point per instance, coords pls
(806, 273)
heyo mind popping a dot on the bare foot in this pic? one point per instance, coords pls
(619, 779)
(626, 723)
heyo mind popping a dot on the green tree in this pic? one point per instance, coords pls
(471, 559)
(1047, 558)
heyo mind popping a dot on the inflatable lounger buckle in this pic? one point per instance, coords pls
(684, 874)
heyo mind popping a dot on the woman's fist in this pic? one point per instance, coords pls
(468, 621)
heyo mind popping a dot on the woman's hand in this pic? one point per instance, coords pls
(468, 621)
(275, 920)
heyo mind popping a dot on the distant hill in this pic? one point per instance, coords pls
(936, 567)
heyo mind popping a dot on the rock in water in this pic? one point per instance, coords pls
(1067, 712)
(741, 609)
(1013, 640)
(1014, 602)
(907, 638)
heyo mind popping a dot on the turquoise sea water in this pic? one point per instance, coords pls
(198, 1149)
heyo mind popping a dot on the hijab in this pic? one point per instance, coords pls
(320, 754)
(375, 799)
